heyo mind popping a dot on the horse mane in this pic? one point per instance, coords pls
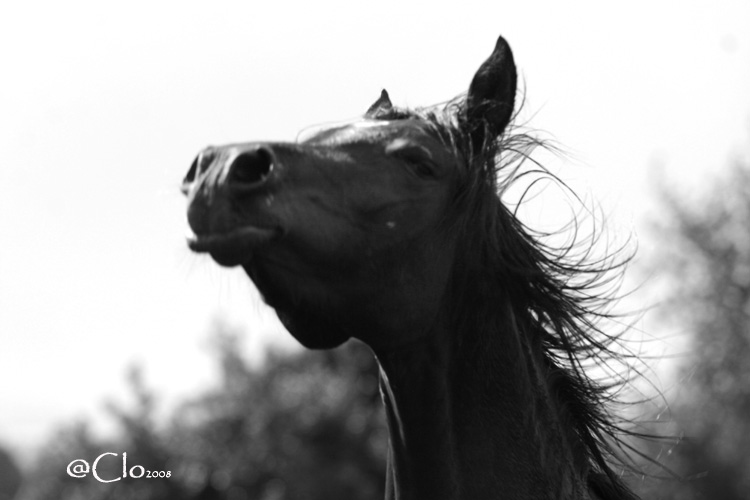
(562, 293)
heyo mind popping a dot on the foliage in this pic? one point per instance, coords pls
(10, 476)
(708, 265)
(302, 427)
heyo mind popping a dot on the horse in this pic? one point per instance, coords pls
(391, 229)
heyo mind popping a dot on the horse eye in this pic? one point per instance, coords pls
(424, 169)
(418, 158)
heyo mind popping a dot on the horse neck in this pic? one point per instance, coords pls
(470, 414)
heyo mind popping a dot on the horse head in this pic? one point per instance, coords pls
(350, 232)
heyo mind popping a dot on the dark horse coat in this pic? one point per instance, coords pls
(391, 230)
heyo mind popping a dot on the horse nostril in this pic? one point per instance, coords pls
(189, 178)
(251, 167)
(199, 165)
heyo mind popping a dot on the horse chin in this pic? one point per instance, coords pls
(311, 331)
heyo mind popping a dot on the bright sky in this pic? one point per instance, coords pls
(103, 107)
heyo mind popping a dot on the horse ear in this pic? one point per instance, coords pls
(492, 95)
(381, 106)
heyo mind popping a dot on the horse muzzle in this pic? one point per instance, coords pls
(229, 190)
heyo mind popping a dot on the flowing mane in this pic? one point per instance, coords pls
(560, 294)
(395, 230)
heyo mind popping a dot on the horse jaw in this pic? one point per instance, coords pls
(311, 328)
(312, 331)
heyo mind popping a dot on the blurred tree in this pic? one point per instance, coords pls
(708, 267)
(139, 438)
(10, 476)
(303, 427)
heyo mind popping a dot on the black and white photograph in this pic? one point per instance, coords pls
(409, 250)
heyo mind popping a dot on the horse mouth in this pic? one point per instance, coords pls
(232, 248)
